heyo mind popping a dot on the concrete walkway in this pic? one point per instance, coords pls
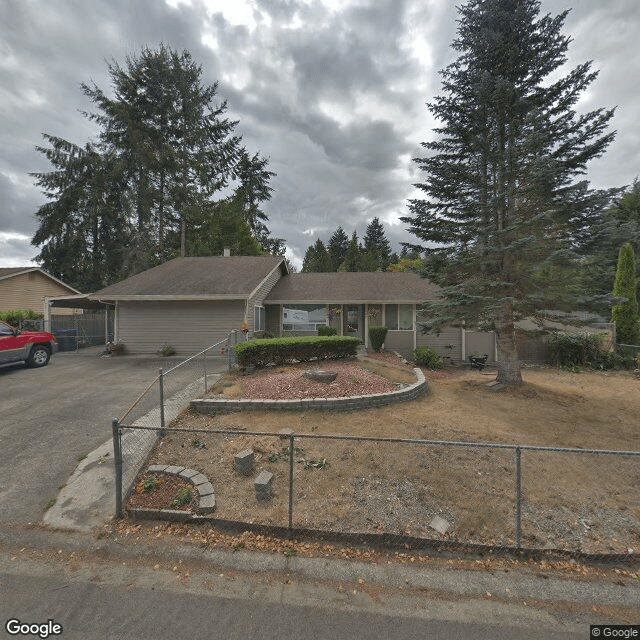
(88, 498)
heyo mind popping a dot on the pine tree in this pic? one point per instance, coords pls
(84, 226)
(501, 193)
(337, 248)
(164, 153)
(353, 259)
(615, 223)
(377, 249)
(625, 314)
(316, 259)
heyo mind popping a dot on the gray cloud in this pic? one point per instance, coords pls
(334, 97)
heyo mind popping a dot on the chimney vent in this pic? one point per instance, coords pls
(227, 252)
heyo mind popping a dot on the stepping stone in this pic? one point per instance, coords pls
(243, 462)
(321, 375)
(264, 485)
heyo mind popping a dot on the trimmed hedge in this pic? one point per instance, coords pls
(377, 335)
(260, 353)
(324, 330)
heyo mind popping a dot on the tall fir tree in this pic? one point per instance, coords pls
(353, 259)
(616, 222)
(316, 259)
(503, 188)
(377, 249)
(625, 313)
(337, 248)
(164, 153)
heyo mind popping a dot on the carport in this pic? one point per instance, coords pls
(93, 324)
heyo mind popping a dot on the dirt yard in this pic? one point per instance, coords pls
(571, 501)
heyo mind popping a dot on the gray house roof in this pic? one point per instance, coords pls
(210, 278)
(352, 288)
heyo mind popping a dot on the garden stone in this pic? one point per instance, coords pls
(439, 524)
(243, 462)
(263, 484)
(321, 375)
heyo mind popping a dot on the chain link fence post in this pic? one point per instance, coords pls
(117, 460)
(204, 363)
(290, 481)
(161, 385)
(518, 498)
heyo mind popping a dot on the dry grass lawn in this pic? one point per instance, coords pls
(571, 501)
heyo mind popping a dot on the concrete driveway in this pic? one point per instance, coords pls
(52, 417)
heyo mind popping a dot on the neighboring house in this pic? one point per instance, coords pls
(28, 287)
(191, 303)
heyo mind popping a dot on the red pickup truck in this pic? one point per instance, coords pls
(33, 347)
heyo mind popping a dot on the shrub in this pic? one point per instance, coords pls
(324, 330)
(182, 497)
(581, 350)
(14, 317)
(260, 353)
(117, 348)
(167, 350)
(428, 358)
(377, 337)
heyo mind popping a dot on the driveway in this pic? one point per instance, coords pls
(50, 418)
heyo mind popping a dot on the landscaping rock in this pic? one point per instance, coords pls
(243, 462)
(263, 484)
(439, 524)
(321, 375)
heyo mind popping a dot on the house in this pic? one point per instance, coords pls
(191, 303)
(29, 287)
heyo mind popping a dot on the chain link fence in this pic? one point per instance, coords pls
(138, 429)
(411, 492)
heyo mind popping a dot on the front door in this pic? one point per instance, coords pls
(353, 321)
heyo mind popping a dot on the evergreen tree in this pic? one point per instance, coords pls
(501, 193)
(377, 250)
(625, 314)
(337, 248)
(316, 259)
(615, 223)
(84, 226)
(165, 150)
(353, 259)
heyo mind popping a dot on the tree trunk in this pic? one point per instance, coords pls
(183, 238)
(508, 361)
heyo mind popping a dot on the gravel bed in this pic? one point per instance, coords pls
(289, 382)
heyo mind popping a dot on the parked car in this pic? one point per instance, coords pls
(33, 347)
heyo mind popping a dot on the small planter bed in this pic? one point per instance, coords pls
(163, 491)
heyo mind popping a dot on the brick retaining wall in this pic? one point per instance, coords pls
(350, 403)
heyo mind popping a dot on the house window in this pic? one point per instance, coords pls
(303, 317)
(399, 317)
(258, 318)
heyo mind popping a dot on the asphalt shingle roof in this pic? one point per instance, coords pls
(208, 277)
(353, 288)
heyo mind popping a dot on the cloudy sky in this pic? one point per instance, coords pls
(332, 91)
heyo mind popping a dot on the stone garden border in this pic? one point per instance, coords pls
(350, 403)
(206, 495)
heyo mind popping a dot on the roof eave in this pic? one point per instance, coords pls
(143, 298)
